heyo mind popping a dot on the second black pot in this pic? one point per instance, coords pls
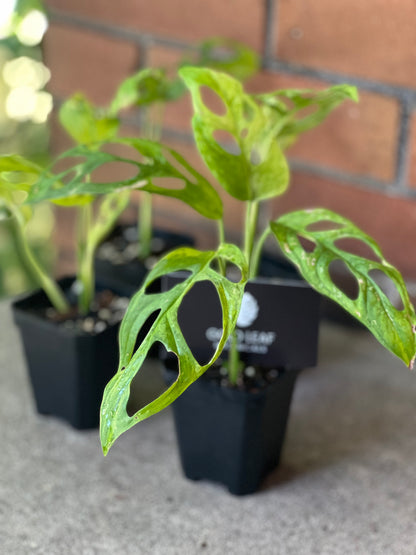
(68, 370)
(229, 436)
(132, 272)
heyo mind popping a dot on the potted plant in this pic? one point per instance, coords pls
(255, 171)
(69, 342)
(131, 250)
(62, 327)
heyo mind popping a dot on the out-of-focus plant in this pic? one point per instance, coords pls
(151, 90)
(24, 109)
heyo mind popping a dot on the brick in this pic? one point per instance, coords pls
(183, 19)
(412, 154)
(82, 61)
(355, 138)
(390, 220)
(375, 40)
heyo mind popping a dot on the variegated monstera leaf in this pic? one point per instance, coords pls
(394, 327)
(166, 330)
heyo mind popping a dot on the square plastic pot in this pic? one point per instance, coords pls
(68, 370)
(229, 436)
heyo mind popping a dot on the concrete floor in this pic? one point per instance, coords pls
(346, 484)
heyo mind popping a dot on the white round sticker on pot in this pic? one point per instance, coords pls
(248, 312)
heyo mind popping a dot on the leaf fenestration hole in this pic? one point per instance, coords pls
(124, 150)
(344, 279)
(66, 163)
(179, 167)
(227, 142)
(114, 172)
(307, 245)
(147, 384)
(232, 271)
(357, 247)
(213, 101)
(387, 285)
(170, 281)
(324, 225)
(173, 183)
(199, 316)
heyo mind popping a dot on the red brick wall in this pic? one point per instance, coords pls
(361, 161)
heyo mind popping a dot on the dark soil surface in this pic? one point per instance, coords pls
(251, 379)
(107, 309)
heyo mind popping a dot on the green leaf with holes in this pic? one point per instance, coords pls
(394, 328)
(85, 123)
(257, 169)
(303, 109)
(166, 330)
(157, 161)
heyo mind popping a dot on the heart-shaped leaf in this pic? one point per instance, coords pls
(258, 169)
(394, 328)
(166, 330)
(85, 123)
(197, 192)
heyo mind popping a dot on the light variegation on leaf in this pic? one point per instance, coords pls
(259, 169)
(166, 330)
(393, 327)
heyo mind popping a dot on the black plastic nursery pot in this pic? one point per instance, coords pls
(234, 436)
(229, 436)
(112, 266)
(68, 369)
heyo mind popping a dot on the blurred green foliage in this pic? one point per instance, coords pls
(22, 25)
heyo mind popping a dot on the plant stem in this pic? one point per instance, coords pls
(153, 131)
(145, 225)
(51, 288)
(250, 228)
(234, 364)
(252, 213)
(85, 259)
(257, 250)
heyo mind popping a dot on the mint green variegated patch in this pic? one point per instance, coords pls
(85, 123)
(166, 330)
(393, 327)
(257, 169)
(69, 184)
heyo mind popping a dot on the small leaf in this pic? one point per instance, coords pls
(229, 56)
(17, 173)
(253, 130)
(144, 88)
(85, 123)
(288, 104)
(74, 181)
(392, 327)
(166, 330)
